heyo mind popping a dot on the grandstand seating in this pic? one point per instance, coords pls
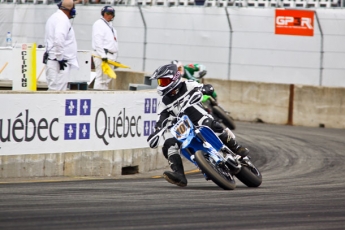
(207, 3)
(313, 3)
(329, 3)
(186, 2)
(301, 3)
(165, 2)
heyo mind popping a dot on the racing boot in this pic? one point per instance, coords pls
(177, 175)
(232, 144)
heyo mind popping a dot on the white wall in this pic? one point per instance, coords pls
(202, 35)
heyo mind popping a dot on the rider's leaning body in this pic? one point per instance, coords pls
(174, 92)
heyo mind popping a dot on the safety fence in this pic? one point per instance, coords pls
(245, 44)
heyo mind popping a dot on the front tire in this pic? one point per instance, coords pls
(217, 174)
(226, 119)
(249, 176)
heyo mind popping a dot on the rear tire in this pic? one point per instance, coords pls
(218, 175)
(226, 119)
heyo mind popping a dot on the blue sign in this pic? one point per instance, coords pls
(85, 106)
(70, 131)
(147, 108)
(147, 128)
(154, 105)
(71, 107)
(84, 131)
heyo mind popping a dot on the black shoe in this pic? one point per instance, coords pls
(243, 152)
(175, 178)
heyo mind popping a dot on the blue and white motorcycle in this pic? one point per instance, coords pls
(217, 162)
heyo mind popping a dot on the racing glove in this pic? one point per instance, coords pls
(202, 73)
(153, 139)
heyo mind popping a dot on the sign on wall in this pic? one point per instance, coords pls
(54, 123)
(24, 75)
(294, 22)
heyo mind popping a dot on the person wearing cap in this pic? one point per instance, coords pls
(61, 46)
(104, 44)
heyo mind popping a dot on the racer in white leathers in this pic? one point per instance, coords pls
(173, 94)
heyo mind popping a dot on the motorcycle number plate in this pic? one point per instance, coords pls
(181, 129)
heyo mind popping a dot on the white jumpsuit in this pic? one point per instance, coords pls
(61, 45)
(104, 36)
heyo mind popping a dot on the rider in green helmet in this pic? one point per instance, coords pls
(194, 72)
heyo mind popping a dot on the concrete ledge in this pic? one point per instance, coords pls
(125, 78)
(7, 85)
(97, 164)
(249, 101)
(311, 105)
(319, 107)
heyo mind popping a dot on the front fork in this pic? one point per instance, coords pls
(232, 160)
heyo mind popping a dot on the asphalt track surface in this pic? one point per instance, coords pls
(303, 188)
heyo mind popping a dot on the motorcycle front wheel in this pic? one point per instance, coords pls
(219, 174)
(249, 174)
(226, 119)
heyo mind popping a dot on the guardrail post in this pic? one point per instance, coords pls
(321, 48)
(230, 41)
(145, 36)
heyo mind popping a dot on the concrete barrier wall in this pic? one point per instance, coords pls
(252, 101)
(125, 77)
(319, 106)
(100, 164)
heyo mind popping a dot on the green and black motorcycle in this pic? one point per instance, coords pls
(218, 113)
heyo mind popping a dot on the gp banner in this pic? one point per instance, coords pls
(24, 76)
(53, 123)
(294, 22)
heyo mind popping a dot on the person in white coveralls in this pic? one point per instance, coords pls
(61, 46)
(104, 44)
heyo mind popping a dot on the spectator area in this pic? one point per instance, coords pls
(205, 3)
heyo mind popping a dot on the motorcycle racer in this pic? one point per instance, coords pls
(174, 93)
(188, 71)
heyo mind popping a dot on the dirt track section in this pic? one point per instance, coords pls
(303, 188)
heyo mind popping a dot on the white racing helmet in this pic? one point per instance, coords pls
(167, 78)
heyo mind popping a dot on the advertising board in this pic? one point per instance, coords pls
(24, 74)
(294, 22)
(53, 123)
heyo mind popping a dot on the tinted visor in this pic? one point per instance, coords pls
(164, 81)
(110, 13)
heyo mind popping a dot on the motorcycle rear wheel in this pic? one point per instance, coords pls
(217, 174)
(226, 119)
